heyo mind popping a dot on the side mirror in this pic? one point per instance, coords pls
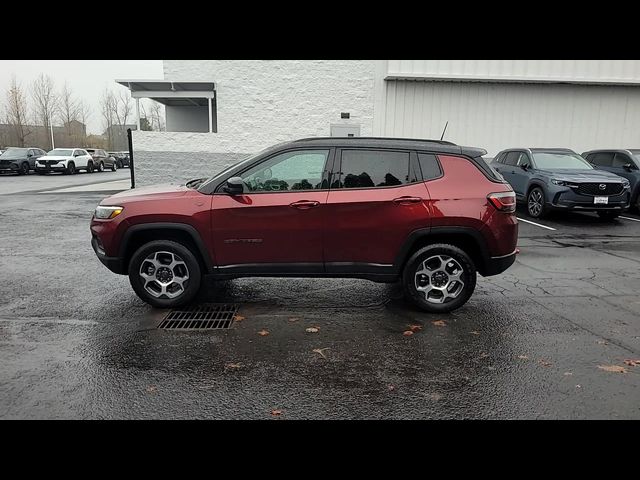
(525, 166)
(629, 166)
(234, 186)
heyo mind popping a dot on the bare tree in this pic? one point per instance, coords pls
(16, 114)
(157, 117)
(68, 108)
(84, 112)
(45, 101)
(123, 107)
(108, 107)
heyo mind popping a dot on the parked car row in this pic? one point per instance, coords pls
(66, 160)
(547, 179)
(122, 158)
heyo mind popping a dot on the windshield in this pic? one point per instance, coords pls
(558, 160)
(62, 152)
(14, 154)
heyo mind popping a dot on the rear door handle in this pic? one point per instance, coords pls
(304, 204)
(407, 200)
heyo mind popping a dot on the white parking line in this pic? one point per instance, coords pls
(632, 219)
(536, 224)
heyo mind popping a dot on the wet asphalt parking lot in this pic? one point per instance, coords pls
(547, 339)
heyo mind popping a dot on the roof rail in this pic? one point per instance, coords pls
(441, 142)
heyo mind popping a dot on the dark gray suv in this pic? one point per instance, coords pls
(20, 160)
(625, 163)
(560, 179)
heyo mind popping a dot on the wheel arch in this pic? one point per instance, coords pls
(468, 239)
(137, 235)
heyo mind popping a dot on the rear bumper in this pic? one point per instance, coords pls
(115, 264)
(496, 265)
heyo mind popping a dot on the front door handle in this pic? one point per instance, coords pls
(304, 204)
(407, 200)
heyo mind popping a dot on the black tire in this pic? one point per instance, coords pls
(24, 168)
(187, 256)
(411, 279)
(119, 164)
(90, 167)
(114, 167)
(71, 168)
(536, 203)
(101, 167)
(608, 216)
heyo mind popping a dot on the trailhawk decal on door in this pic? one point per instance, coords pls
(243, 240)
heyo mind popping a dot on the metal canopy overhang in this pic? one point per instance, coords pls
(173, 94)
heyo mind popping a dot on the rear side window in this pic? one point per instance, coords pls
(373, 168)
(429, 166)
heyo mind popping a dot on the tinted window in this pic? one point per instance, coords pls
(523, 159)
(620, 160)
(602, 159)
(429, 166)
(500, 158)
(373, 168)
(299, 170)
(512, 158)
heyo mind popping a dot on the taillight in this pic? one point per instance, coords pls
(503, 201)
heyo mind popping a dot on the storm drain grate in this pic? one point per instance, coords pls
(200, 317)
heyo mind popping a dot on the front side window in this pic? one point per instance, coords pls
(559, 161)
(289, 171)
(373, 168)
(512, 158)
(620, 160)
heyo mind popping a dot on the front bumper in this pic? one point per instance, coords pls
(115, 264)
(56, 167)
(13, 167)
(570, 200)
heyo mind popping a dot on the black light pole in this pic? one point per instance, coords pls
(133, 174)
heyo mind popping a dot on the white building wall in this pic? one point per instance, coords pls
(264, 102)
(495, 116)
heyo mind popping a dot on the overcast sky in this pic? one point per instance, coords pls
(87, 78)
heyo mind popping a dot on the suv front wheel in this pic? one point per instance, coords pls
(165, 274)
(439, 278)
(536, 203)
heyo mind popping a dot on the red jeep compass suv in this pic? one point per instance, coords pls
(428, 213)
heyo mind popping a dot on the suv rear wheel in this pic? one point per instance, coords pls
(439, 278)
(165, 274)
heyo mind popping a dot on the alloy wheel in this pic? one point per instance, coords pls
(439, 279)
(535, 202)
(164, 274)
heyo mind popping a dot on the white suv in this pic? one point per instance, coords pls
(65, 160)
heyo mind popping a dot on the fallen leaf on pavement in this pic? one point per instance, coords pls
(407, 333)
(567, 374)
(294, 319)
(523, 357)
(435, 396)
(483, 355)
(312, 330)
(320, 351)
(613, 368)
(632, 363)
(414, 328)
(263, 333)
(391, 388)
(238, 318)
(151, 388)
(602, 342)
(275, 413)
(474, 333)
(439, 323)
(233, 365)
(544, 363)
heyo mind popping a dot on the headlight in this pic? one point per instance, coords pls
(563, 183)
(107, 212)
